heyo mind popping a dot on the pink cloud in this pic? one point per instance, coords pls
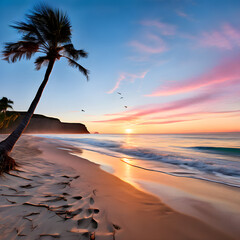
(227, 37)
(179, 110)
(215, 39)
(226, 71)
(147, 110)
(154, 45)
(201, 113)
(174, 118)
(164, 28)
(145, 48)
(218, 114)
(127, 77)
(232, 33)
(169, 122)
(181, 13)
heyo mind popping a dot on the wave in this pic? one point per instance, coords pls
(219, 150)
(185, 174)
(209, 167)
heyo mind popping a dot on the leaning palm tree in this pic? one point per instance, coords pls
(46, 31)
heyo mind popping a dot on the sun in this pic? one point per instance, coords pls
(128, 130)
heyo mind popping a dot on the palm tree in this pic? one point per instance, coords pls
(47, 31)
(6, 118)
(5, 103)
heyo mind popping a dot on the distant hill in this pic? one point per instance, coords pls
(42, 124)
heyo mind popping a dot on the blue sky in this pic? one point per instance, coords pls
(138, 48)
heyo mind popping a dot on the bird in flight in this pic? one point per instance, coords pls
(83, 110)
(125, 106)
(119, 93)
(121, 97)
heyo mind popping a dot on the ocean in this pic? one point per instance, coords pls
(209, 157)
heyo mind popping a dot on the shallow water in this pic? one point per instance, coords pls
(212, 157)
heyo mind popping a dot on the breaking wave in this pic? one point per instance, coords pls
(220, 150)
(202, 165)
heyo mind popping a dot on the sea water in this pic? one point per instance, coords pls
(210, 157)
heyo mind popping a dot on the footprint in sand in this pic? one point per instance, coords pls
(63, 184)
(65, 176)
(65, 194)
(75, 177)
(74, 213)
(77, 197)
(28, 186)
(93, 210)
(55, 235)
(91, 201)
(86, 222)
(116, 226)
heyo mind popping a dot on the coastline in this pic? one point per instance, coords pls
(186, 195)
(125, 212)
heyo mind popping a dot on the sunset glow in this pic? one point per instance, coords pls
(128, 131)
(171, 69)
(127, 114)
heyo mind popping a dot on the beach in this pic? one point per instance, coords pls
(125, 123)
(56, 194)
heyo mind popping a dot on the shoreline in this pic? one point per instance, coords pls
(117, 201)
(185, 195)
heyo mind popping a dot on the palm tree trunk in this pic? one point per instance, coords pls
(7, 145)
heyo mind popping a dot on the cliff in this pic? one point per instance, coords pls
(42, 124)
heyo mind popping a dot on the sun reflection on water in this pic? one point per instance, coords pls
(127, 170)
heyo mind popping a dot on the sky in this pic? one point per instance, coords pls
(156, 66)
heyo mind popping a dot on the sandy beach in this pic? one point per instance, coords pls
(58, 195)
(125, 123)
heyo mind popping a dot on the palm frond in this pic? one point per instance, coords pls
(71, 52)
(41, 61)
(22, 49)
(53, 24)
(49, 26)
(45, 30)
(9, 106)
(10, 101)
(83, 70)
(29, 31)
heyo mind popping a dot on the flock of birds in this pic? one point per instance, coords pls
(120, 98)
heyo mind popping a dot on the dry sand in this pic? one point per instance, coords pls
(57, 195)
